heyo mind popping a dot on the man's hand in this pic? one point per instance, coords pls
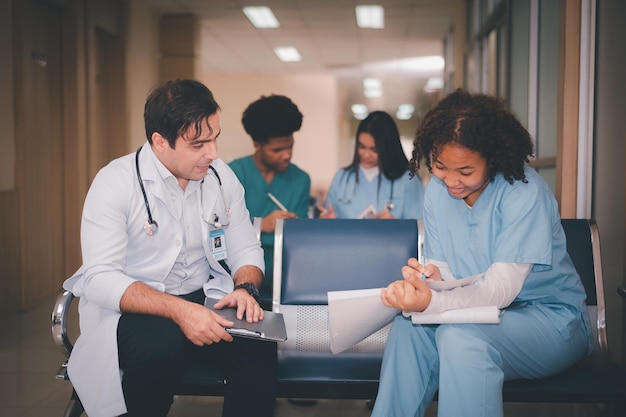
(241, 298)
(245, 303)
(201, 325)
(268, 224)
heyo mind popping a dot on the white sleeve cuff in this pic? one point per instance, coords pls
(500, 285)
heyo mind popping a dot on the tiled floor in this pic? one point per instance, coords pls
(29, 361)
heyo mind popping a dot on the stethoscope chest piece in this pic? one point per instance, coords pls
(151, 228)
(390, 206)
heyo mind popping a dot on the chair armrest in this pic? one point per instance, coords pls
(621, 290)
(59, 322)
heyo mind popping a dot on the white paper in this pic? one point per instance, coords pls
(354, 315)
(368, 213)
(486, 314)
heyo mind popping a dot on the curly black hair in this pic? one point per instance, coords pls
(271, 116)
(478, 122)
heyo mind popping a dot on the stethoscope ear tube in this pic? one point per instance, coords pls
(151, 227)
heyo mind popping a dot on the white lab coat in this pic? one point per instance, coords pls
(117, 251)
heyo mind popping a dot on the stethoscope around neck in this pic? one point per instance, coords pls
(151, 227)
(389, 205)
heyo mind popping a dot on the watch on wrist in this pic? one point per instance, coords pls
(248, 286)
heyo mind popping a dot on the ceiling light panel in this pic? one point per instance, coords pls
(261, 17)
(359, 111)
(405, 111)
(370, 16)
(372, 84)
(372, 87)
(433, 84)
(288, 54)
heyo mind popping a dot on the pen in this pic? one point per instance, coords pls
(277, 202)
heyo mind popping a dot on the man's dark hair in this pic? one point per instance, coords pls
(174, 106)
(271, 116)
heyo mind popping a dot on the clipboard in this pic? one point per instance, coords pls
(271, 328)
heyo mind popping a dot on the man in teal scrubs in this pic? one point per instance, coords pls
(274, 187)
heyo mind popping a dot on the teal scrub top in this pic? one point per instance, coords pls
(291, 187)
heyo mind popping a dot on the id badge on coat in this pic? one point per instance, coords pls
(217, 241)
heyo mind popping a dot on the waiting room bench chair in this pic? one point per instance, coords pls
(314, 256)
(597, 378)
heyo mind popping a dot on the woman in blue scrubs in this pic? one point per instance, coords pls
(377, 183)
(488, 215)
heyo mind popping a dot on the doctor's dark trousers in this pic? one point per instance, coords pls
(152, 353)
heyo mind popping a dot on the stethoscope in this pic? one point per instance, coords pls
(389, 205)
(151, 227)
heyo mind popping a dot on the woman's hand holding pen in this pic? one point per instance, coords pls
(412, 293)
(429, 272)
(327, 213)
(385, 214)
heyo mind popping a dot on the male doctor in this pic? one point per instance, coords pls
(149, 230)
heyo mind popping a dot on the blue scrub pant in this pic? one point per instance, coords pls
(468, 363)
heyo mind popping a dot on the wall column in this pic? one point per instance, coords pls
(178, 38)
(568, 99)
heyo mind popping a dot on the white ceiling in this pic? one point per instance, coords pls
(326, 34)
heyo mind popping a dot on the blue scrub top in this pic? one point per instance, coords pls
(350, 198)
(514, 223)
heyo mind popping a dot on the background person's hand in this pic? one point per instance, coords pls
(268, 224)
(327, 213)
(385, 214)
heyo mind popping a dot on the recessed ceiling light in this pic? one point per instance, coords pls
(422, 65)
(370, 17)
(287, 54)
(359, 111)
(433, 84)
(405, 111)
(372, 87)
(261, 17)
(406, 108)
(371, 83)
(373, 93)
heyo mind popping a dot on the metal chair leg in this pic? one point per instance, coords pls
(74, 406)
